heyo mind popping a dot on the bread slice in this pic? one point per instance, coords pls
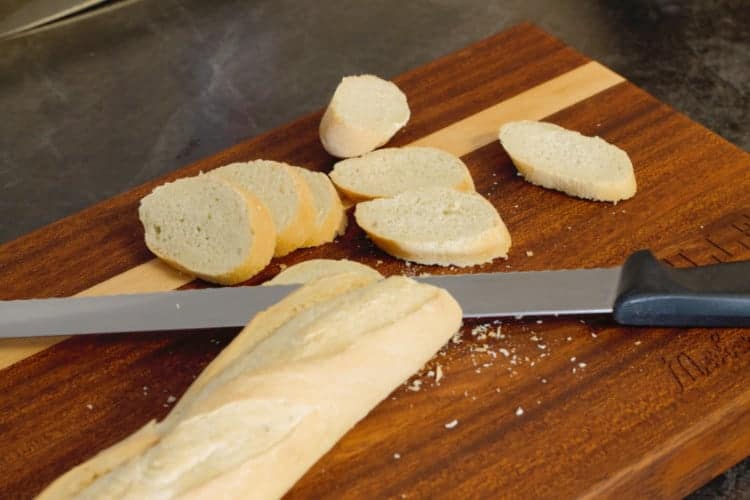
(283, 191)
(436, 225)
(314, 269)
(557, 158)
(208, 228)
(364, 113)
(286, 400)
(390, 171)
(330, 218)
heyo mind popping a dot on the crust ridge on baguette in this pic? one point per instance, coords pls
(315, 269)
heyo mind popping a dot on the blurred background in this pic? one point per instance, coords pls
(125, 91)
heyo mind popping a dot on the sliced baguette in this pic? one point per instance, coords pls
(315, 269)
(287, 400)
(330, 218)
(390, 171)
(208, 228)
(556, 158)
(364, 113)
(436, 225)
(283, 191)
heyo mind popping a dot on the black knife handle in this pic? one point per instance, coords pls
(654, 294)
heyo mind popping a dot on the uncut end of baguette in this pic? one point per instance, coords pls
(436, 226)
(364, 113)
(564, 160)
(387, 172)
(208, 228)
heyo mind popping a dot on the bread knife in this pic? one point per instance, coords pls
(643, 291)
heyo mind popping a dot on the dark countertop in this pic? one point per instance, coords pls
(97, 105)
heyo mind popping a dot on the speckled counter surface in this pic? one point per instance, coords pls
(95, 106)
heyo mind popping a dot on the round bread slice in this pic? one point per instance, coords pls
(390, 171)
(315, 269)
(208, 228)
(283, 191)
(556, 158)
(364, 113)
(436, 225)
(330, 219)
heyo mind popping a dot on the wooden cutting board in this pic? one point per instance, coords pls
(548, 408)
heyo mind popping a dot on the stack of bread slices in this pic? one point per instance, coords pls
(226, 225)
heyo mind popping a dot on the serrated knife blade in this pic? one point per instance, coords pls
(496, 294)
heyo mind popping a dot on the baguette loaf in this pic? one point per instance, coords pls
(330, 218)
(208, 228)
(364, 113)
(556, 158)
(283, 191)
(390, 171)
(315, 269)
(436, 225)
(280, 403)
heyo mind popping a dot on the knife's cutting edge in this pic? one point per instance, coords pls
(585, 291)
(176, 310)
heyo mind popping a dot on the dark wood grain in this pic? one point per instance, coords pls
(651, 412)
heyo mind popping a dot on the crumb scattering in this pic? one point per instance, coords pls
(519, 411)
(396, 456)
(529, 253)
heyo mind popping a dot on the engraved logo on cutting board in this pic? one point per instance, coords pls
(689, 366)
(726, 240)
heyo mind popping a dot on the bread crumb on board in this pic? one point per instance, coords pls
(519, 411)
(450, 425)
(415, 386)
(438, 374)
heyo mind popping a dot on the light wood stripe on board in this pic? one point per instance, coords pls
(459, 138)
